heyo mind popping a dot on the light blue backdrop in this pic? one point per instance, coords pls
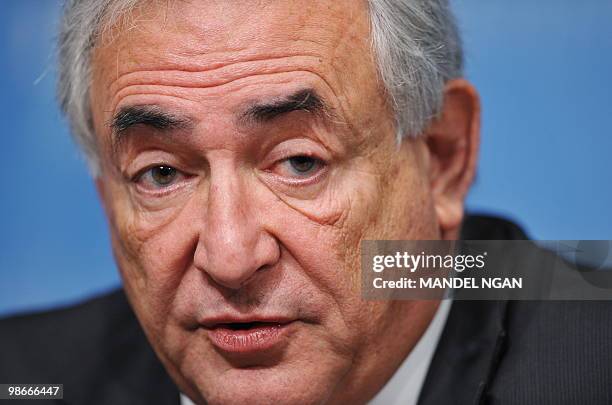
(542, 67)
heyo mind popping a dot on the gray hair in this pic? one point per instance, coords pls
(415, 44)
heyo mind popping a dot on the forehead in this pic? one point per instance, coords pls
(200, 35)
(211, 48)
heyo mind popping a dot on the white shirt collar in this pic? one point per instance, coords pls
(405, 385)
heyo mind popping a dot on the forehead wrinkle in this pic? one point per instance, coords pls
(229, 73)
(179, 55)
(182, 33)
(170, 90)
(192, 77)
(214, 73)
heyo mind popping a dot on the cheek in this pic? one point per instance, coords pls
(323, 236)
(393, 202)
(405, 210)
(153, 250)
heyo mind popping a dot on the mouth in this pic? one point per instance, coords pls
(249, 336)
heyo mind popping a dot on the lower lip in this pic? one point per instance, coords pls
(250, 340)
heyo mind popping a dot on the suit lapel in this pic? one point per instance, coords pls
(467, 354)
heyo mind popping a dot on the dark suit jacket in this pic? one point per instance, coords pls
(490, 351)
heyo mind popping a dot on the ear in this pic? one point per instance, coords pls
(453, 140)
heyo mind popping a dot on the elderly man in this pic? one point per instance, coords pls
(242, 151)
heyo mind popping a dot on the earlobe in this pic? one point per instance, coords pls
(452, 140)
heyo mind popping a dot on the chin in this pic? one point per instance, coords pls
(275, 385)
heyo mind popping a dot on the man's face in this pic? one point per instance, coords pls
(247, 149)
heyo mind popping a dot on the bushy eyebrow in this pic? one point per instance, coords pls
(149, 115)
(154, 116)
(303, 100)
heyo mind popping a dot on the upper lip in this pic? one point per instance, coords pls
(217, 321)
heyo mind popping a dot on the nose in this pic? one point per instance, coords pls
(233, 243)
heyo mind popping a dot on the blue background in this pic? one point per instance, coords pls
(542, 67)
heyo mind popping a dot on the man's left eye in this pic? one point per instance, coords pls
(300, 166)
